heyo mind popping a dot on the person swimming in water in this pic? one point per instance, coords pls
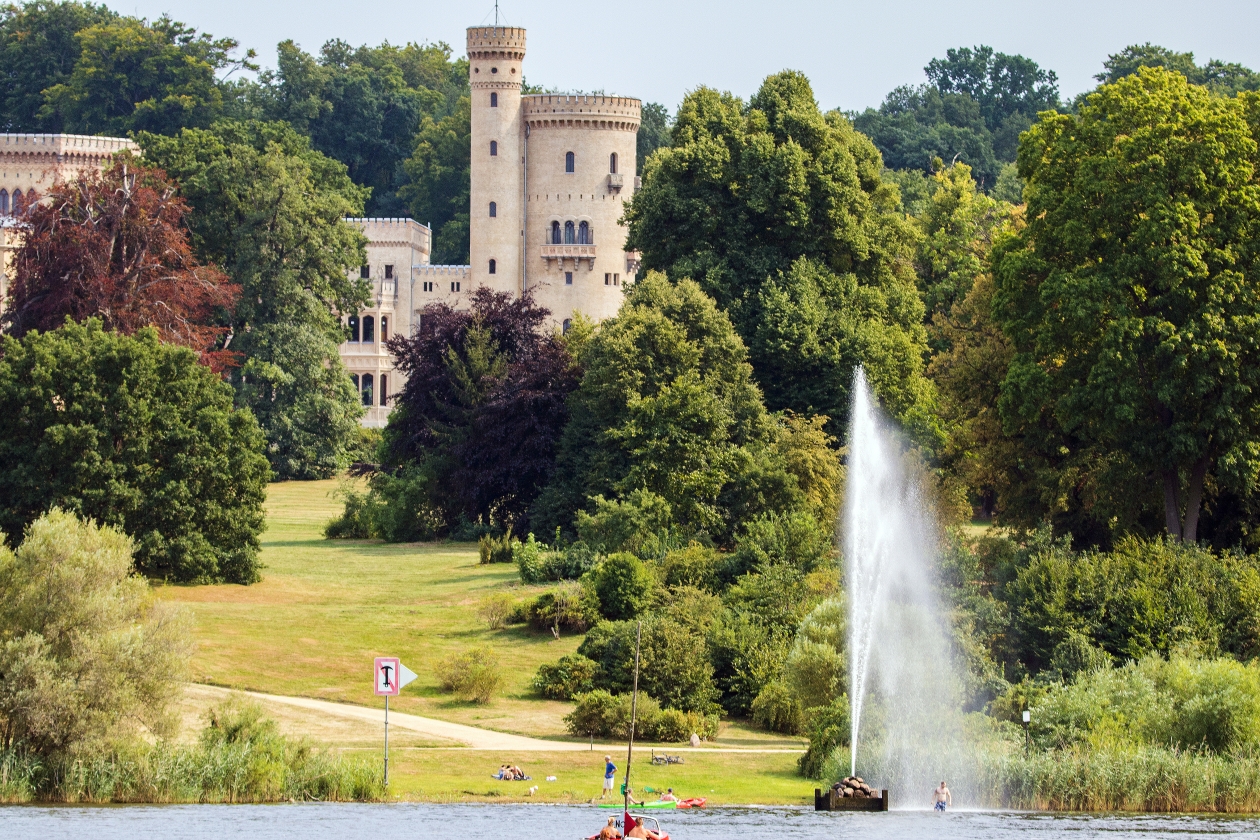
(941, 797)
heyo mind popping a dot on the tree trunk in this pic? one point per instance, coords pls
(1194, 500)
(1172, 510)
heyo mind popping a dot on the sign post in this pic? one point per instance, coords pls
(389, 676)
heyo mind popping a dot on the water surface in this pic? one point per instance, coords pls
(422, 821)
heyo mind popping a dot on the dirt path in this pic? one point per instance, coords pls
(469, 736)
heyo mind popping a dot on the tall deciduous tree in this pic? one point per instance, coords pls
(779, 213)
(113, 246)
(38, 50)
(483, 406)
(135, 434)
(1131, 296)
(1224, 77)
(439, 179)
(271, 210)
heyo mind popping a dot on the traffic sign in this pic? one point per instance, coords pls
(389, 676)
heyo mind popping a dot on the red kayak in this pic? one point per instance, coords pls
(696, 802)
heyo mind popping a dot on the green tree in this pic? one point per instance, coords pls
(1222, 77)
(1130, 296)
(779, 213)
(270, 211)
(364, 106)
(38, 51)
(654, 132)
(86, 650)
(667, 404)
(135, 76)
(137, 435)
(439, 178)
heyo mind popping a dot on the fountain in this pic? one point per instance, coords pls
(903, 686)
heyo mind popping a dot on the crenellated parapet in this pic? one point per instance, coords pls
(589, 111)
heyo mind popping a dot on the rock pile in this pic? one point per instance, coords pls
(854, 786)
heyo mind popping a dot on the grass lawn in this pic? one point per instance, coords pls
(325, 608)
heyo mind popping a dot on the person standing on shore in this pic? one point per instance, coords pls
(941, 797)
(610, 774)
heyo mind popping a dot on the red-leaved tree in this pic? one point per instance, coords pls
(113, 245)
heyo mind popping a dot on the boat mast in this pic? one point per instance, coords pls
(634, 711)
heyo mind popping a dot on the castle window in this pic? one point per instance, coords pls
(365, 389)
(4, 202)
(389, 272)
(494, 210)
(616, 279)
(567, 324)
(494, 148)
(555, 233)
(584, 233)
(494, 100)
(608, 279)
(568, 161)
(365, 272)
(455, 283)
(384, 379)
(612, 163)
(353, 324)
(493, 266)
(494, 69)
(369, 331)
(568, 233)
(430, 286)
(568, 278)
(384, 337)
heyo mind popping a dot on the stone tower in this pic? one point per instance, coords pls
(497, 193)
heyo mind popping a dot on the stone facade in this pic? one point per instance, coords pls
(550, 175)
(34, 162)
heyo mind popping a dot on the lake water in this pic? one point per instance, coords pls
(422, 821)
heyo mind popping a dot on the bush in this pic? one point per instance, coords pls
(601, 714)
(137, 435)
(696, 565)
(537, 565)
(529, 557)
(828, 730)
(496, 609)
(624, 585)
(86, 652)
(497, 549)
(776, 710)
(567, 607)
(473, 675)
(796, 540)
(673, 662)
(565, 679)
(641, 524)
(357, 520)
(593, 714)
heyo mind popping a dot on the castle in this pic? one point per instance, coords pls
(550, 176)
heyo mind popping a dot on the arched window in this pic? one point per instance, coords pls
(354, 377)
(568, 233)
(369, 328)
(584, 233)
(17, 202)
(494, 100)
(384, 379)
(493, 266)
(365, 389)
(494, 148)
(494, 210)
(568, 161)
(555, 233)
(384, 337)
(567, 324)
(353, 324)
(612, 163)
(4, 202)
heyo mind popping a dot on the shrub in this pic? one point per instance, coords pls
(537, 565)
(86, 651)
(496, 608)
(696, 565)
(776, 709)
(796, 540)
(529, 558)
(624, 585)
(674, 665)
(473, 675)
(563, 680)
(497, 549)
(674, 725)
(815, 669)
(592, 714)
(828, 729)
(640, 524)
(137, 435)
(604, 715)
(567, 607)
(357, 520)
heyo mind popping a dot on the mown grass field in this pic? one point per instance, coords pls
(325, 608)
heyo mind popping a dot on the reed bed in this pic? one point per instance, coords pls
(165, 773)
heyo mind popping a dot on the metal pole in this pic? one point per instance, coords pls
(386, 740)
(634, 711)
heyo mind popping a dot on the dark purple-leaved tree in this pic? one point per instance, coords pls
(483, 407)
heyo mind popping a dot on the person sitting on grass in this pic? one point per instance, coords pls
(668, 796)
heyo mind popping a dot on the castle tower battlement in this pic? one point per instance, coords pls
(619, 113)
(501, 42)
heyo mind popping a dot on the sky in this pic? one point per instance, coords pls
(657, 50)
